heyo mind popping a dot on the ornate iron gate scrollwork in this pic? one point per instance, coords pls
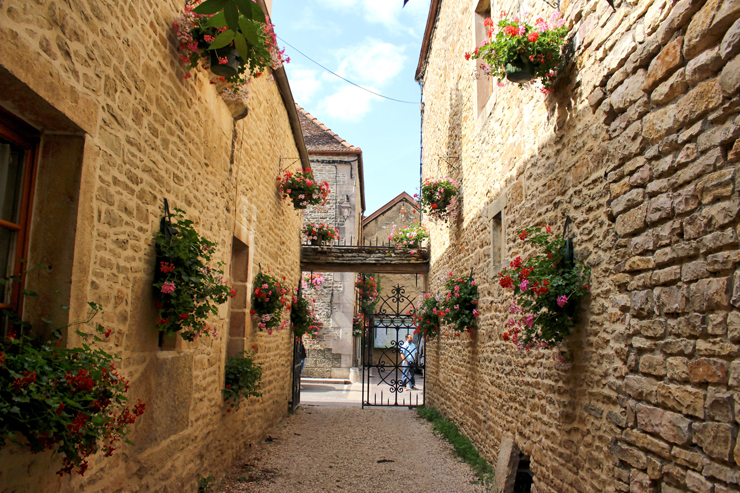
(382, 343)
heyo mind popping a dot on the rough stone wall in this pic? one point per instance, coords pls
(638, 146)
(332, 354)
(109, 72)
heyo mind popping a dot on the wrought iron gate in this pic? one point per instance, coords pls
(296, 394)
(384, 340)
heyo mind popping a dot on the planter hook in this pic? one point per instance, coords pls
(568, 254)
(165, 224)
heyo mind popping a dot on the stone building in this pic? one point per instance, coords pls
(94, 96)
(638, 145)
(399, 212)
(340, 164)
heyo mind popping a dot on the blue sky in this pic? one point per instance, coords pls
(374, 43)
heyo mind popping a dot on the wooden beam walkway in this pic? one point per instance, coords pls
(363, 259)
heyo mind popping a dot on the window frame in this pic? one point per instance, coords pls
(496, 214)
(484, 87)
(23, 135)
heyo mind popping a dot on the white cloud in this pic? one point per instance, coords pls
(348, 103)
(304, 83)
(409, 19)
(372, 62)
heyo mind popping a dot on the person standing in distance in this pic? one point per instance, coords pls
(408, 357)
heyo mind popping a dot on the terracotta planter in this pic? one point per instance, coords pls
(231, 67)
(521, 70)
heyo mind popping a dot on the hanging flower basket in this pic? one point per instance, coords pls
(302, 189)
(368, 289)
(438, 198)
(302, 317)
(519, 71)
(460, 304)
(313, 329)
(358, 325)
(243, 379)
(187, 289)
(319, 233)
(69, 400)
(547, 288)
(426, 316)
(268, 302)
(521, 52)
(234, 53)
(409, 238)
(311, 281)
(225, 62)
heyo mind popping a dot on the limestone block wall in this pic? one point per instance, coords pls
(638, 145)
(107, 74)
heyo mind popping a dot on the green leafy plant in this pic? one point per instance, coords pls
(410, 237)
(186, 289)
(320, 233)
(426, 316)
(520, 51)
(268, 301)
(547, 288)
(243, 379)
(438, 198)
(459, 308)
(302, 316)
(303, 189)
(464, 448)
(205, 484)
(228, 32)
(69, 400)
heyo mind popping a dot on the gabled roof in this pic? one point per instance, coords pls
(319, 138)
(402, 197)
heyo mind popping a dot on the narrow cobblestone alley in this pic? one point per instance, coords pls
(342, 448)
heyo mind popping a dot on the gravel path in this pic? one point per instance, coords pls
(326, 448)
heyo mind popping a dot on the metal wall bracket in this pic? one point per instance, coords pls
(289, 161)
(453, 162)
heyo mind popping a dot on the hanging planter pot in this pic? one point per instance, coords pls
(319, 233)
(302, 188)
(521, 70)
(233, 61)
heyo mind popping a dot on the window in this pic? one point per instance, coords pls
(498, 235)
(238, 310)
(496, 238)
(484, 85)
(18, 150)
